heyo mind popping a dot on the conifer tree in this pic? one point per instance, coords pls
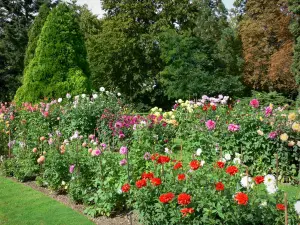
(60, 63)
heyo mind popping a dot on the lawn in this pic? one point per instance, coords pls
(20, 204)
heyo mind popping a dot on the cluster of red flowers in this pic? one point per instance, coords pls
(166, 198)
(184, 199)
(280, 207)
(156, 181)
(125, 188)
(207, 106)
(160, 159)
(177, 165)
(220, 186)
(220, 164)
(181, 176)
(186, 211)
(141, 183)
(149, 175)
(195, 164)
(241, 198)
(259, 179)
(232, 170)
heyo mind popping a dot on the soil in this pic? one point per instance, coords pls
(122, 219)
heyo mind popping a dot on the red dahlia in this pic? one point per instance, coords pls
(149, 175)
(181, 176)
(195, 164)
(259, 179)
(125, 188)
(241, 198)
(213, 107)
(187, 211)
(154, 156)
(280, 207)
(177, 166)
(184, 199)
(166, 198)
(141, 183)
(163, 159)
(156, 181)
(231, 170)
(220, 186)
(220, 164)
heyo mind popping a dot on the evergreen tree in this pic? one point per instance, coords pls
(15, 18)
(59, 65)
(35, 31)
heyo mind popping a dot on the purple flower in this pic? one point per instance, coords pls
(210, 124)
(233, 127)
(121, 135)
(103, 145)
(96, 152)
(147, 156)
(123, 150)
(268, 111)
(123, 162)
(11, 143)
(71, 169)
(273, 135)
(118, 124)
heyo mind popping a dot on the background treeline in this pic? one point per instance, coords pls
(151, 51)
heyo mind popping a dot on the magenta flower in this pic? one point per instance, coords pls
(96, 152)
(71, 169)
(118, 124)
(123, 162)
(273, 135)
(121, 135)
(254, 103)
(210, 124)
(233, 127)
(123, 150)
(268, 111)
(103, 145)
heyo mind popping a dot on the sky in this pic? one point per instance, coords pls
(95, 5)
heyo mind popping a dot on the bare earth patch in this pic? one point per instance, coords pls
(64, 199)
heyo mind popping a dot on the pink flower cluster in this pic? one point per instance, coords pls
(254, 103)
(210, 124)
(233, 127)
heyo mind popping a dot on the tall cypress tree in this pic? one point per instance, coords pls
(35, 31)
(60, 62)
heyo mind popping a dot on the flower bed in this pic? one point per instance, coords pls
(209, 159)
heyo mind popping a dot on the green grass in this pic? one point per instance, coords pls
(20, 204)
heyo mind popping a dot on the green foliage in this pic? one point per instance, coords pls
(16, 17)
(60, 64)
(34, 33)
(193, 69)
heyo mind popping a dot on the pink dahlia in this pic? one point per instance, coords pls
(254, 103)
(233, 127)
(210, 124)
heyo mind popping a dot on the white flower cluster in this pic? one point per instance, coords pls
(198, 153)
(270, 182)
